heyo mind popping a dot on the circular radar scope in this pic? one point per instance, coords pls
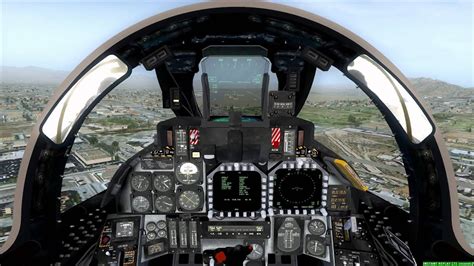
(298, 189)
(187, 173)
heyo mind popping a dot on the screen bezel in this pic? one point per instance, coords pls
(132, 226)
(280, 173)
(217, 197)
(136, 226)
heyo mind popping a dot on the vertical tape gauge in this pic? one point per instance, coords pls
(181, 142)
(289, 142)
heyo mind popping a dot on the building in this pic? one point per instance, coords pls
(90, 156)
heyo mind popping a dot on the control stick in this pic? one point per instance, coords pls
(230, 256)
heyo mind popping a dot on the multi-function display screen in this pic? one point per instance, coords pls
(298, 189)
(124, 229)
(237, 191)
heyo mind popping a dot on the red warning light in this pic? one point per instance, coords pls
(276, 137)
(194, 136)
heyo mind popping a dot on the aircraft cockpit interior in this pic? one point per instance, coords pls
(236, 177)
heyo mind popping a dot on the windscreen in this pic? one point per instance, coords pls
(235, 83)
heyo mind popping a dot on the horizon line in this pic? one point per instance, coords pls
(145, 72)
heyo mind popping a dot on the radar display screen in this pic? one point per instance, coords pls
(298, 189)
(237, 191)
(124, 229)
(235, 83)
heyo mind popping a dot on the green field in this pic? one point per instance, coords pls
(363, 114)
(343, 114)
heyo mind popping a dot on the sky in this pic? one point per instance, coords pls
(432, 39)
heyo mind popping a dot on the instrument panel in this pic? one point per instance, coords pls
(163, 187)
(242, 183)
(230, 190)
(191, 201)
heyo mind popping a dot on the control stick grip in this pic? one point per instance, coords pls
(230, 256)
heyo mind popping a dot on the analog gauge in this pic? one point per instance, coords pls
(163, 183)
(151, 226)
(161, 224)
(164, 204)
(187, 173)
(189, 200)
(316, 227)
(140, 204)
(316, 248)
(162, 234)
(151, 235)
(257, 252)
(140, 183)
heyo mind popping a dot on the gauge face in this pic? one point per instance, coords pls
(257, 252)
(140, 183)
(163, 183)
(151, 235)
(140, 204)
(164, 204)
(316, 248)
(151, 226)
(162, 234)
(189, 200)
(187, 173)
(316, 227)
(161, 225)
